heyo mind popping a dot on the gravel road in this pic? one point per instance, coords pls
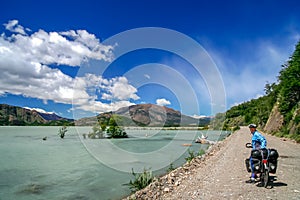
(223, 175)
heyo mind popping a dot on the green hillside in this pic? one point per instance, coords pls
(18, 116)
(278, 111)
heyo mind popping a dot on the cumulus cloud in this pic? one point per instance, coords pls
(25, 61)
(13, 26)
(67, 48)
(99, 107)
(162, 102)
(119, 89)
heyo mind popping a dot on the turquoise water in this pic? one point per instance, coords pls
(77, 168)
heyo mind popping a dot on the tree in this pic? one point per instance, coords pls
(289, 82)
(62, 131)
(115, 131)
(285, 93)
(96, 132)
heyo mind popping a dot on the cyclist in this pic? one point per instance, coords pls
(258, 142)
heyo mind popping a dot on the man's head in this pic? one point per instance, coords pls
(252, 128)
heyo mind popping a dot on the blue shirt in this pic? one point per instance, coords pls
(258, 141)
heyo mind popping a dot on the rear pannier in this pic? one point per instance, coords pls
(273, 154)
(266, 153)
(256, 164)
(273, 166)
(247, 162)
(256, 154)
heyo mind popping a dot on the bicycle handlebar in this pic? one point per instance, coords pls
(248, 145)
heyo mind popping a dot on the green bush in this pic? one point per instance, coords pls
(140, 180)
(97, 132)
(236, 128)
(201, 152)
(191, 156)
(171, 168)
(62, 131)
(115, 131)
(296, 137)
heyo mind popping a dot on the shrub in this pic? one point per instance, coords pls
(96, 132)
(236, 128)
(171, 168)
(191, 156)
(201, 152)
(140, 180)
(62, 131)
(115, 131)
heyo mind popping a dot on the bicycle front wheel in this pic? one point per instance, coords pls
(265, 178)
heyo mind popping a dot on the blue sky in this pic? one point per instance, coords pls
(64, 56)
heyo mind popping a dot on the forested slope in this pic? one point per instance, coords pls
(278, 111)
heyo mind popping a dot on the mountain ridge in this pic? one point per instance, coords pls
(135, 115)
(146, 115)
(18, 116)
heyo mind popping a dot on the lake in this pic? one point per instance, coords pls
(78, 168)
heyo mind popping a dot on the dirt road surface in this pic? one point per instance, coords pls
(223, 175)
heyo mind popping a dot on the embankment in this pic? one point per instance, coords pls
(221, 174)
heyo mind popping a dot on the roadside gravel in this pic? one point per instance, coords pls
(221, 174)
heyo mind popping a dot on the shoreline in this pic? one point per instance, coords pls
(221, 174)
(168, 182)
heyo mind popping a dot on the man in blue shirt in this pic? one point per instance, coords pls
(258, 142)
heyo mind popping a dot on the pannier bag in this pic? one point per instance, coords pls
(256, 164)
(256, 154)
(266, 153)
(270, 154)
(247, 162)
(273, 166)
(273, 156)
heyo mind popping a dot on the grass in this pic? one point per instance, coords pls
(192, 155)
(171, 168)
(141, 180)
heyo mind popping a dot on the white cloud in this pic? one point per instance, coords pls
(66, 48)
(99, 107)
(147, 76)
(25, 60)
(162, 102)
(199, 116)
(246, 72)
(39, 110)
(121, 90)
(13, 26)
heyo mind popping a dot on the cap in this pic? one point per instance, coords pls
(252, 126)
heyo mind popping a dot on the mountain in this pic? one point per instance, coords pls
(51, 116)
(18, 116)
(86, 121)
(147, 115)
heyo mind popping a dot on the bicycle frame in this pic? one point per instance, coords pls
(263, 167)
